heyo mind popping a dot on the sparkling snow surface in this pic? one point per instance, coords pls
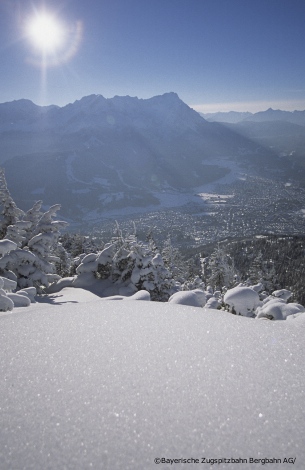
(98, 384)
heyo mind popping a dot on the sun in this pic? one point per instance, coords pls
(54, 40)
(45, 32)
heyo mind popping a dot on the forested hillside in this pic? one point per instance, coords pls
(276, 261)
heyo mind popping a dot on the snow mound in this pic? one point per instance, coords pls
(140, 295)
(213, 302)
(115, 385)
(278, 310)
(6, 304)
(19, 300)
(59, 285)
(282, 294)
(193, 298)
(30, 292)
(242, 300)
(258, 287)
(297, 317)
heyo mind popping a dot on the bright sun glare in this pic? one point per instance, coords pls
(53, 41)
(45, 32)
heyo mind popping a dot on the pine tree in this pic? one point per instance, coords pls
(10, 213)
(151, 241)
(173, 260)
(129, 262)
(18, 232)
(255, 273)
(34, 237)
(44, 242)
(269, 276)
(220, 269)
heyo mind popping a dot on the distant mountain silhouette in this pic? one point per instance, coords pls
(294, 117)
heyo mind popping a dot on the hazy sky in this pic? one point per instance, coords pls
(216, 54)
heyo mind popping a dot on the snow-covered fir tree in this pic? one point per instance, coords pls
(137, 262)
(269, 277)
(18, 232)
(130, 264)
(31, 259)
(219, 270)
(151, 241)
(10, 213)
(149, 272)
(255, 269)
(173, 260)
(263, 271)
(34, 214)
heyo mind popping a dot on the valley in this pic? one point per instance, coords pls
(248, 206)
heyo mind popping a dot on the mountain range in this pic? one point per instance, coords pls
(295, 117)
(99, 154)
(283, 131)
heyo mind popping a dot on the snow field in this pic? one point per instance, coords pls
(114, 385)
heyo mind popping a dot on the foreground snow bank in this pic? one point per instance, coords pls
(114, 385)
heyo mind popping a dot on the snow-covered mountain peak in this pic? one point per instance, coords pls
(169, 97)
(21, 104)
(95, 111)
(21, 113)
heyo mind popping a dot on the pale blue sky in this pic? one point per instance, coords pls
(216, 54)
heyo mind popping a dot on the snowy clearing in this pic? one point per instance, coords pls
(113, 385)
